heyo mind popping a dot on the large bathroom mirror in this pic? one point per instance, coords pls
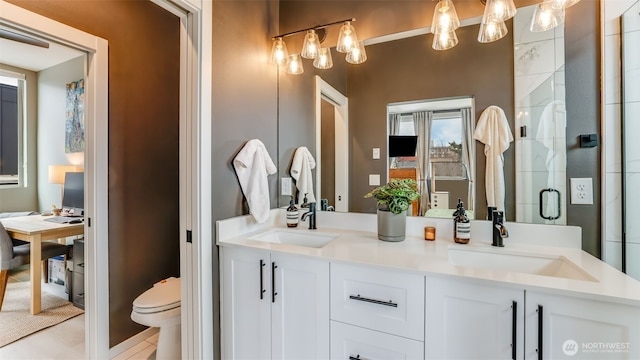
(521, 73)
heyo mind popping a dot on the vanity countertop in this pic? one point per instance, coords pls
(414, 254)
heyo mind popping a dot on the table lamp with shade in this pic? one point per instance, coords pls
(57, 173)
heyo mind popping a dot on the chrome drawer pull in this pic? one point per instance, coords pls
(373, 301)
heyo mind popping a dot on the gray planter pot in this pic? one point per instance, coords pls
(391, 227)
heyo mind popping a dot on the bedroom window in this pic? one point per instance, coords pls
(445, 144)
(11, 113)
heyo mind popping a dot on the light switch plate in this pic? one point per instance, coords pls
(582, 191)
(374, 179)
(376, 153)
(285, 186)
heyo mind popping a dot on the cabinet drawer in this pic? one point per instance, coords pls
(383, 300)
(352, 342)
(78, 256)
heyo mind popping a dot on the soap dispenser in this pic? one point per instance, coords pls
(292, 214)
(462, 225)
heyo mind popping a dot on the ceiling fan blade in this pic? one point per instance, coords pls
(22, 38)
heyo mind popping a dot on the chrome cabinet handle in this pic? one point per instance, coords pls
(373, 301)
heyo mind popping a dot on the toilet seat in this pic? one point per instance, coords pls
(163, 296)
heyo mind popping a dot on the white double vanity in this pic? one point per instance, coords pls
(340, 293)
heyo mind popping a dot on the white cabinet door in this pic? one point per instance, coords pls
(273, 306)
(245, 303)
(573, 328)
(350, 342)
(300, 311)
(470, 320)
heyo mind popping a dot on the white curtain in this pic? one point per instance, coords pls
(394, 124)
(469, 154)
(422, 126)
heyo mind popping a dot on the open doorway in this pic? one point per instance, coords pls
(91, 54)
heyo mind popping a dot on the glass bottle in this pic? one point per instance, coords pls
(462, 226)
(292, 214)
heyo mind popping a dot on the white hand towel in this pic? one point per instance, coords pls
(253, 164)
(493, 131)
(301, 167)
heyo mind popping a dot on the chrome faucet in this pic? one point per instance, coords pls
(499, 230)
(311, 214)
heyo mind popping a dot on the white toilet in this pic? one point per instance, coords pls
(160, 307)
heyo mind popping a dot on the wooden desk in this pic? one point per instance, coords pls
(35, 230)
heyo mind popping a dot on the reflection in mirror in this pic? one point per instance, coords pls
(539, 94)
(443, 162)
(521, 73)
(332, 143)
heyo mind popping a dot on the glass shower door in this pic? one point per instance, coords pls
(540, 131)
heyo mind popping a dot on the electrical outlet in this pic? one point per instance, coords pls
(285, 186)
(582, 191)
(374, 179)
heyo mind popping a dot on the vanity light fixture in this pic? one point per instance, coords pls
(444, 24)
(492, 25)
(347, 39)
(311, 45)
(496, 10)
(294, 65)
(358, 55)
(444, 41)
(279, 53)
(323, 60)
(311, 49)
(546, 17)
(445, 18)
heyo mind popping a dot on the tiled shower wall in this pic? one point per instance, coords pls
(611, 142)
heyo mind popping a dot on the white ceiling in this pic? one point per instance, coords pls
(32, 57)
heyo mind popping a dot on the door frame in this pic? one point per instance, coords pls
(324, 91)
(96, 164)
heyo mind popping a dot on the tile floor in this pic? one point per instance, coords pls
(64, 341)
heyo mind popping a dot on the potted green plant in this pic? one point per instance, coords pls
(393, 200)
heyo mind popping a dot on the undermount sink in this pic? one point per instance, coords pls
(538, 264)
(298, 237)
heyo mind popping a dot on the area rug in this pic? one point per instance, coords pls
(16, 321)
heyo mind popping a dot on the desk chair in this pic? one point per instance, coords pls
(14, 255)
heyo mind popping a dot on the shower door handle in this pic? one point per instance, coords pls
(541, 207)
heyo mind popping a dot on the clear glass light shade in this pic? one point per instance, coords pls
(347, 39)
(311, 45)
(279, 53)
(445, 18)
(294, 65)
(444, 41)
(562, 4)
(358, 55)
(546, 18)
(496, 10)
(323, 60)
(491, 31)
